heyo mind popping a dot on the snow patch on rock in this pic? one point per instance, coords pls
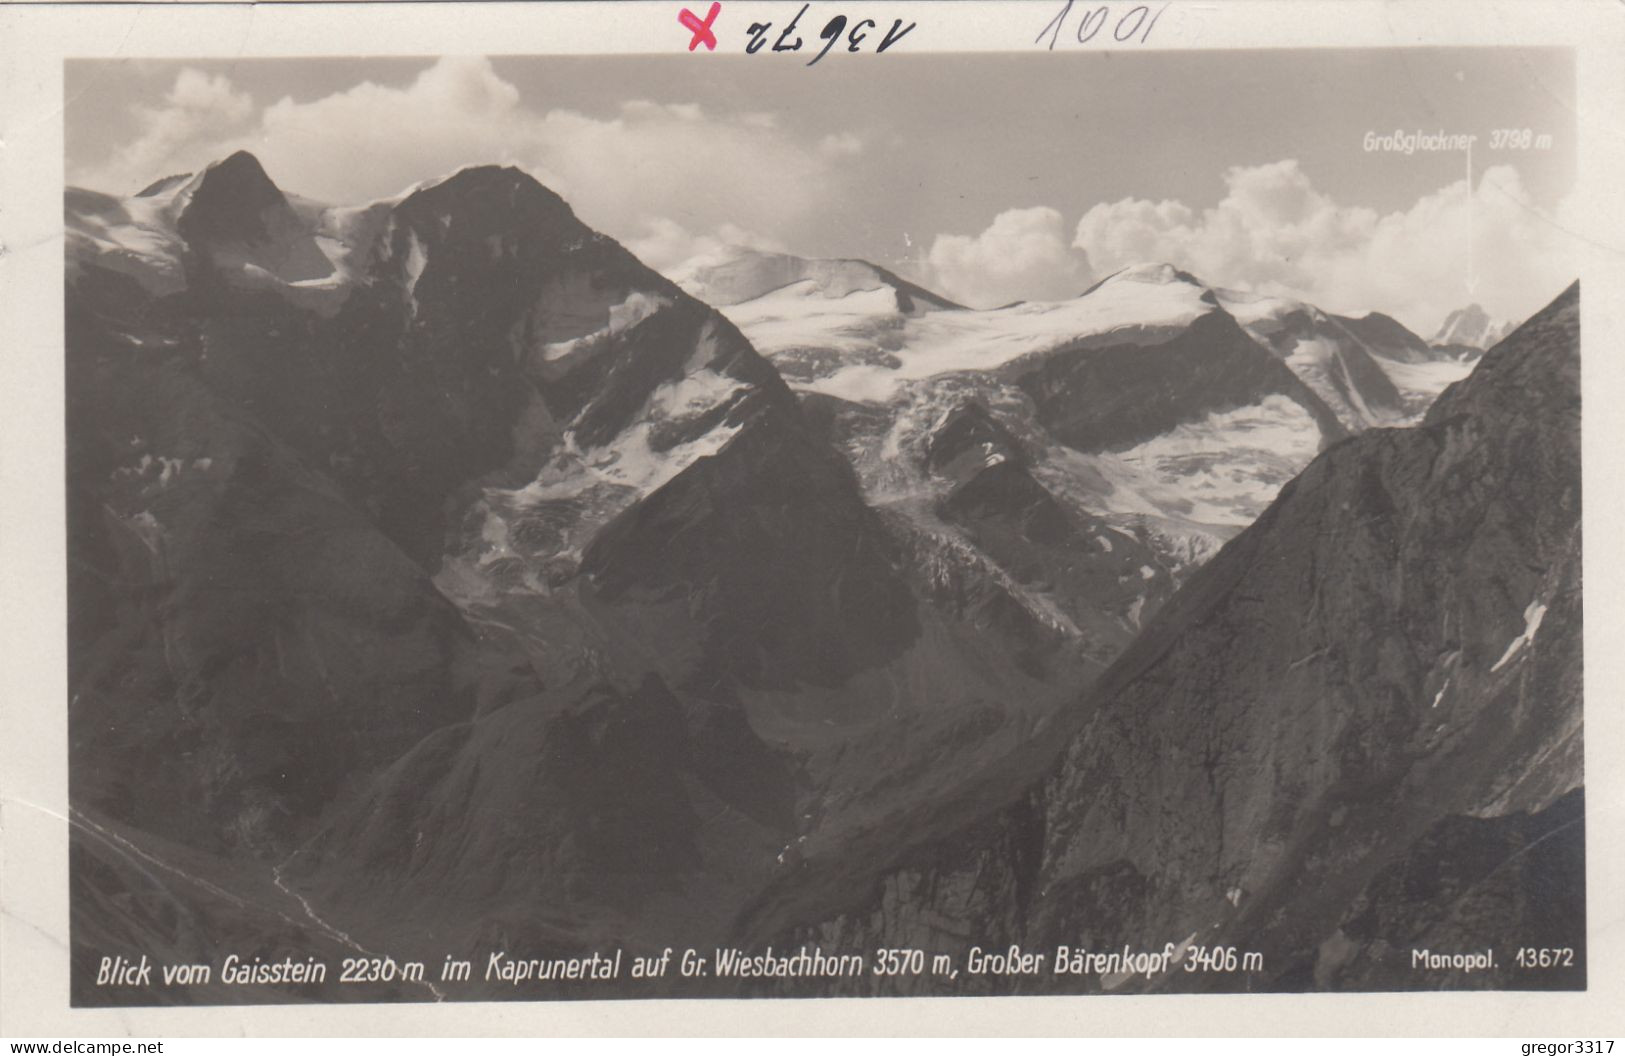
(877, 350)
(1532, 615)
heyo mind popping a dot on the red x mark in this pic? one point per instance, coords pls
(702, 30)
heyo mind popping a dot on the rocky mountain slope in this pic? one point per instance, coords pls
(436, 546)
(443, 579)
(1189, 427)
(1371, 371)
(1352, 735)
(264, 483)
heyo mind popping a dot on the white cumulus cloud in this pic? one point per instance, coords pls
(1022, 255)
(665, 245)
(1274, 232)
(198, 108)
(623, 172)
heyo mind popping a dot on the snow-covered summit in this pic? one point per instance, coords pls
(734, 274)
(862, 345)
(252, 232)
(1154, 273)
(1473, 327)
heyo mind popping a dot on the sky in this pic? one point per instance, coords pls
(990, 177)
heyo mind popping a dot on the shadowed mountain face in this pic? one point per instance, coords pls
(261, 491)
(1212, 366)
(1395, 643)
(444, 580)
(236, 217)
(474, 539)
(1355, 732)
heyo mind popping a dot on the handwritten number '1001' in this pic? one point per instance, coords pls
(1135, 21)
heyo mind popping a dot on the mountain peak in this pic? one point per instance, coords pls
(232, 214)
(239, 161)
(239, 173)
(167, 183)
(1473, 314)
(228, 202)
(1154, 272)
(733, 274)
(1150, 273)
(483, 178)
(1381, 322)
(1471, 326)
(480, 203)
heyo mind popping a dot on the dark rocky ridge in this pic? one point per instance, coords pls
(259, 494)
(966, 439)
(1354, 378)
(1105, 580)
(265, 674)
(745, 274)
(1386, 335)
(1114, 396)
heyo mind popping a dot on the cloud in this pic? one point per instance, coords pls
(371, 140)
(1273, 232)
(1023, 255)
(698, 169)
(622, 172)
(198, 108)
(840, 144)
(665, 245)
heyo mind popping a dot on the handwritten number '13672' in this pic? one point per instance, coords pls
(829, 35)
(1136, 21)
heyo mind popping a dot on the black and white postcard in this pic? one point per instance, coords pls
(794, 501)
